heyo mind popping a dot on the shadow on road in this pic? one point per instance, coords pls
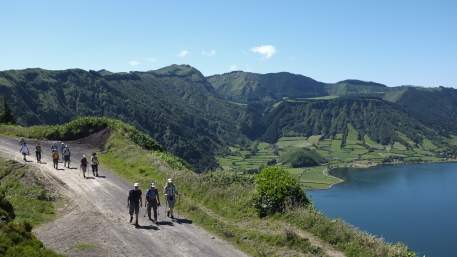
(183, 221)
(101, 177)
(73, 168)
(168, 223)
(90, 178)
(148, 227)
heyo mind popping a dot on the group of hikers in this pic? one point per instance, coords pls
(135, 198)
(59, 150)
(135, 201)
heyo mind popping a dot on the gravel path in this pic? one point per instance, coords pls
(95, 220)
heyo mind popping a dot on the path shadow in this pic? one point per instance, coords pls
(167, 223)
(43, 163)
(90, 177)
(28, 161)
(73, 168)
(183, 221)
(148, 227)
(101, 177)
(60, 169)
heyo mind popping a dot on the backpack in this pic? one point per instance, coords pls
(94, 160)
(55, 155)
(151, 195)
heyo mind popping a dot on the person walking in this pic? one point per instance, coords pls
(134, 202)
(153, 201)
(38, 152)
(55, 159)
(170, 193)
(61, 148)
(83, 165)
(66, 156)
(24, 150)
(54, 147)
(94, 164)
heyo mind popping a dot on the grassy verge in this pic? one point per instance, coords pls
(28, 203)
(21, 186)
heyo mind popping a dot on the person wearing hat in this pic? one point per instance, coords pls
(134, 202)
(153, 201)
(66, 156)
(170, 193)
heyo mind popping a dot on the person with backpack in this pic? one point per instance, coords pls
(152, 201)
(134, 202)
(94, 164)
(54, 147)
(83, 165)
(66, 156)
(55, 159)
(24, 150)
(170, 193)
(38, 152)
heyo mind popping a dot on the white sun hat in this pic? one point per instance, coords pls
(170, 180)
(136, 185)
(153, 185)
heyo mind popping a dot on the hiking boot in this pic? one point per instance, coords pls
(131, 219)
(172, 216)
(168, 213)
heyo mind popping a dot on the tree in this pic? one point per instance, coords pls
(276, 191)
(6, 116)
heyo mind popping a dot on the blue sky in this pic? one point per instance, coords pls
(392, 41)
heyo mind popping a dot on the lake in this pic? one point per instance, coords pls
(414, 204)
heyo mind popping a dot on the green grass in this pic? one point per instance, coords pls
(30, 198)
(314, 177)
(20, 186)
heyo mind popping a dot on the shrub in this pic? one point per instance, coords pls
(277, 190)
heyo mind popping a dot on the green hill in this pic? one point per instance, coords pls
(198, 118)
(176, 105)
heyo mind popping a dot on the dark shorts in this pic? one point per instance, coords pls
(134, 208)
(171, 201)
(66, 158)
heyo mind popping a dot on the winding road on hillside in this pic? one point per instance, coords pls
(94, 220)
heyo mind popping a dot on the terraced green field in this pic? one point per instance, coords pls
(338, 151)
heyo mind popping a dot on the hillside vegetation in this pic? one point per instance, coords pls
(201, 118)
(24, 201)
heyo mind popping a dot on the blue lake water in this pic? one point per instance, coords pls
(414, 204)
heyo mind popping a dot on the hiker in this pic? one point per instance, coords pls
(61, 148)
(21, 141)
(38, 152)
(84, 165)
(170, 193)
(134, 202)
(94, 164)
(54, 147)
(24, 150)
(55, 159)
(153, 201)
(66, 156)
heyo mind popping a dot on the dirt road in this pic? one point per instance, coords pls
(95, 220)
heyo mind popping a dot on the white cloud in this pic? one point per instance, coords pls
(134, 63)
(233, 67)
(209, 53)
(183, 53)
(267, 51)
